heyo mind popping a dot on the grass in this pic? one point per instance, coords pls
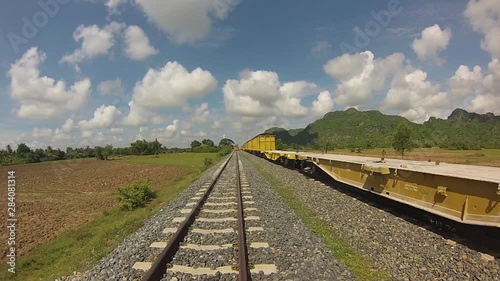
(360, 266)
(79, 249)
(193, 160)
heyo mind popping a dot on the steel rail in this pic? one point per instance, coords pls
(244, 270)
(159, 267)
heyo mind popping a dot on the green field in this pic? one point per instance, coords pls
(80, 248)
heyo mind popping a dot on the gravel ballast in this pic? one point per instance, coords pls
(117, 265)
(402, 248)
(297, 252)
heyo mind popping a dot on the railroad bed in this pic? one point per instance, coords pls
(212, 230)
(409, 249)
(279, 246)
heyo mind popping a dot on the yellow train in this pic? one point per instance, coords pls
(462, 193)
(260, 143)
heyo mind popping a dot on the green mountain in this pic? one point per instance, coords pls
(365, 129)
(286, 136)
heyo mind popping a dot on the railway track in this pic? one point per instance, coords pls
(208, 238)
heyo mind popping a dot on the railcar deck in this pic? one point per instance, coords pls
(464, 193)
(480, 173)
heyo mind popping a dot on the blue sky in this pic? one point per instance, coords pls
(92, 72)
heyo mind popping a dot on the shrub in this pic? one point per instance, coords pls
(136, 195)
(208, 162)
(224, 150)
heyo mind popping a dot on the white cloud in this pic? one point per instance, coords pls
(413, 96)
(111, 87)
(139, 115)
(485, 103)
(43, 97)
(104, 117)
(116, 131)
(259, 93)
(409, 92)
(433, 41)
(323, 104)
(191, 134)
(170, 86)
(114, 5)
(465, 81)
(100, 139)
(201, 114)
(186, 21)
(288, 106)
(168, 132)
(86, 134)
(298, 89)
(348, 66)
(359, 75)
(137, 46)
(61, 138)
(492, 80)
(94, 42)
(484, 16)
(68, 126)
(321, 48)
(216, 125)
(488, 97)
(42, 133)
(261, 85)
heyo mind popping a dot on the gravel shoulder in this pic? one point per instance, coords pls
(297, 252)
(403, 249)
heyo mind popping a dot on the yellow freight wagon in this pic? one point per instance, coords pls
(464, 193)
(260, 143)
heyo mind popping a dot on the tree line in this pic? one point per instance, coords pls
(23, 154)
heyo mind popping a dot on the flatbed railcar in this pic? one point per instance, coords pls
(463, 193)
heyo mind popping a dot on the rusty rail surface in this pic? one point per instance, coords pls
(159, 267)
(244, 270)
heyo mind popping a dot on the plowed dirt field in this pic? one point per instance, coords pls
(54, 197)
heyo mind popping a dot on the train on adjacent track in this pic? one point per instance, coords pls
(466, 194)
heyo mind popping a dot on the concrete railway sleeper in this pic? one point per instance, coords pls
(208, 237)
